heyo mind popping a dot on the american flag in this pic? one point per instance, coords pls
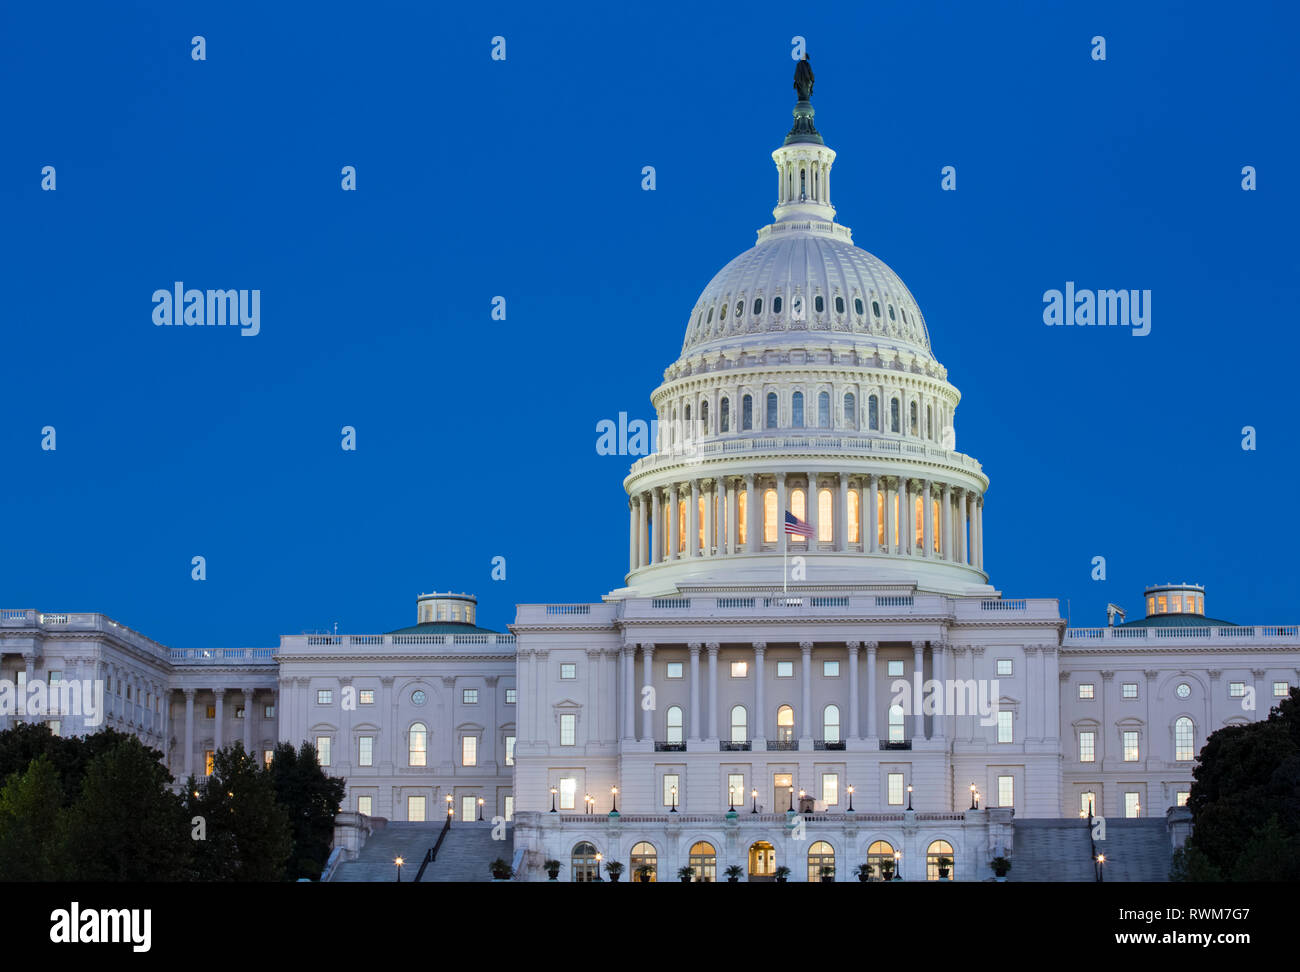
(796, 527)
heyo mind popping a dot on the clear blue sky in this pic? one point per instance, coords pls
(522, 178)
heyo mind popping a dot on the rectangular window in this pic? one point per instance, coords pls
(510, 807)
(510, 700)
(568, 792)
(1180, 798)
(1004, 726)
(366, 751)
(830, 669)
(739, 669)
(568, 671)
(1130, 746)
(468, 808)
(367, 697)
(239, 712)
(510, 750)
(324, 696)
(785, 669)
(1006, 791)
(1087, 747)
(1281, 690)
(269, 711)
(1128, 690)
(568, 728)
(56, 727)
(1088, 803)
(469, 750)
(671, 781)
(831, 789)
(364, 805)
(1004, 666)
(207, 762)
(895, 789)
(1236, 690)
(212, 712)
(895, 669)
(323, 749)
(1132, 807)
(674, 669)
(267, 756)
(736, 788)
(1086, 690)
(415, 809)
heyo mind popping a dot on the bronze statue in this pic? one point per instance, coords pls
(803, 79)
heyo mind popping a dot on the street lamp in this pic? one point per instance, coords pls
(599, 858)
(972, 796)
(898, 865)
(1101, 873)
(674, 792)
(480, 809)
(909, 796)
(850, 798)
(731, 799)
(753, 795)
(553, 792)
(977, 799)
(399, 862)
(791, 810)
(613, 790)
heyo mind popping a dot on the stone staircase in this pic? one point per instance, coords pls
(464, 855)
(1060, 850)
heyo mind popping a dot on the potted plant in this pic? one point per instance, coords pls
(863, 871)
(782, 874)
(552, 869)
(501, 870)
(644, 872)
(887, 869)
(733, 872)
(684, 875)
(945, 867)
(613, 869)
(1000, 867)
(828, 872)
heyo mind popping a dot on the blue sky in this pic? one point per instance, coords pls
(521, 178)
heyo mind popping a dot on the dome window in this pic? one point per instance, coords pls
(824, 410)
(771, 410)
(893, 415)
(710, 320)
(905, 318)
(819, 305)
(915, 429)
(722, 311)
(875, 308)
(857, 306)
(850, 411)
(740, 308)
(891, 313)
(746, 413)
(796, 410)
(839, 304)
(704, 418)
(776, 305)
(688, 414)
(724, 415)
(873, 413)
(758, 306)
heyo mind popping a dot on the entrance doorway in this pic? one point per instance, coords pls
(762, 861)
(782, 784)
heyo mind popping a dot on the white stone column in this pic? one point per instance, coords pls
(759, 731)
(805, 717)
(656, 528)
(813, 511)
(693, 521)
(629, 691)
(891, 493)
(945, 524)
(631, 541)
(853, 690)
(642, 540)
(712, 648)
(871, 502)
(939, 656)
(979, 521)
(733, 518)
(753, 513)
(694, 734)
(918, 659)
(220, 695)
(841, 524)
(488, 758)
(647, 678)
(782, 504)
(707, 549)
(872, 726)
(674, 531)
(963, 545)
(907, 517)
(189, 732)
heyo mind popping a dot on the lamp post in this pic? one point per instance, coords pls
(898, 865)
(674, 792)
(977, 799)
(599, 858)
(753, 795)
(399, 862)
(909, 796)
(850, 798)
(731, 799)
(801, 799)
(1101, 873)
(613, 790)
(553, 792)
(480, 809)
(791, 810)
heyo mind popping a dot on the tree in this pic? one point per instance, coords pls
(69, 755)
(312, 799)
(29, 822)
(248, 836)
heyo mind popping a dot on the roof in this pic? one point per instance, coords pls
(443, 627)
(1177, 621)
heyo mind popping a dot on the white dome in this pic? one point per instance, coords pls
(860, 296)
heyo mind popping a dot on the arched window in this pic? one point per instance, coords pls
(703, 862)
(417, 744)
(724, 416)
(785, 724)
(771, 410)
(918, 514)
(896, 723)
(688, 417)
(879, 852)
(699, 520)
(739, 724)
(825, 517)
(831, 724)
(915, 428)
(824, 410)
(893, 415)
(821, 862)
(746, 413)
(583, 864)
(799, 507)
(1184, 732)
(722, 311)
(855, 515)
(758, 306)
(819, 304)
(769, 516)
(839, 304)
(681, 526)
(704, 418)
(674, 723)
(740, 308)
(891, 313)
(776, 305)
(796, 410)
(710, 317)
(940, 864)
(742, 517)
(880, 518)
(873, 413)
(645, 855)
(875, 308)
(850, 411)
(929, 421)
(857, 306)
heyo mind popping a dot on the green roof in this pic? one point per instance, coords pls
(1177, 621)
(443, 627)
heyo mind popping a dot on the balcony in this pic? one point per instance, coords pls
(670, 747)
(782, 745)
(835, 746)
(726, 746)
(895, 744)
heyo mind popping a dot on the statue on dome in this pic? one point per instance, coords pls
(803, 79)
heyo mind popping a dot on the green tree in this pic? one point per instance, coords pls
(248, 837)
(29, 822)
(312, 799)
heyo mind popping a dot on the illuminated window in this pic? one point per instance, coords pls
(896, 723)
(364, 804)
(510, 750)
(855, 507)
(469, 750)
(850, 411)
(769, 516)
(1183, 733)
(796, 410)
(643, 852)
(267, 756)
(879, 852)
(583, 865)
(467, 808)
(895, 668)
(1236, 690)
(799, 507)
(831, 724)
(510, 807)
(894, 790)
(1086, 690)
(1128, 690)
(830, 669)
(918, 511)
(417, 744)
(1180, 798)
(681, 525)
(699, 520)
(823, 410)
(1200, 603)
(739, 669)
(746, 413)
(568, 792)
(785, 724)
(1130, 738)
(568, 671)
(1087, 746)
(211, 712)
(771, 410)
(674, 723)
(1004, 726)
(323, 749)
(1175, 604)
(821, 855)
(830, 789)
(1281, 690)
(56, 727)
(1151, 605)
(934, 525)
(939, 857)
(367, 696)
(366, 751)
(1132, 808)
(470, 696)
(415, 809)
(739, 724)
(568, 728)
(880, 518)
(703, 862)
(742, 517)
(324, 696)
(785, 669)
(1088, 803)
(1162, 604)
(825, 520)
(1006, 791)
(1004, 666)
(674, 669)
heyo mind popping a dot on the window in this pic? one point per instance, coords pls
(510, 750)
(839, 304)
(769, 516)
(1130, 738)
(785, 724)
(568, 728)
(468, 810)
(239, 712)
(825, 516)
(1281, 690)
(821, 855)
(895, 669)
(269, 711)
(724, 416)
(742, 516)
(739, 669)
(819, 304)
(415, 808)
(1004, 726)
(211, 712)
(643, 855)
(1086, 690)
(857, 306)
(1180, 798)
(469, 696)
(267, 756)
(364, 804)
(510, 696)
(830, 669)
(56, 727)
(891, 313)
(469, 750)
(850, 411)
(739, 724)
(735, 789)
(873, 413)
(568, 792)
(776, 305)
(1088, 803)
(1006, 791)
(746, 413)
(418, 697)
(582, 862)
(879, 852)
(831, 724)
(799, 508)
(1128, 690)
(208, 761)
(323, 749)
(674, 723)
(896, 723)
(894, 789)
(703, 862)
(417, 743)
(796, 411)
(758, 306)
(771, 410)
(939, 861)
(1183, 734)
(785, 669)
(854, 517)
(893, 415)
(831, 789)
(704, 417)
(823, 410)
(324, 696)
(912, 415)
(1004, 666)
(366, 751)
(366, 697)
(674, 669)
(510, 807)
(1236, 690)
(568, 671)
(1183, 690)
(1087, 746)
(1132, 808)
(55, 677)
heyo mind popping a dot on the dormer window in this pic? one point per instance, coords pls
(819, 304)
(857, 306)
(839, 304)
(776, 305)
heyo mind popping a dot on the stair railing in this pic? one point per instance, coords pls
(431, 854)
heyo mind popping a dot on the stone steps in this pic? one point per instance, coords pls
(1061, 850)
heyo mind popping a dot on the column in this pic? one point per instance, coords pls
(979, 521)
(707, 550)
(813, 509)
(927, 528)
(918, 660)
(220, 695)
(712, 648)
(655, 549)
(906, 515)
(629, 691)
(871, 501)
(753, 511)
(872, 727)
(853, 690)
(733, 519)
(632, 505)
(643, 522)
(805, 717)
(945, 524)
(693, 521)
(674, 530)
(891, 492)
(1033, 678)
(189, 732)
(450, 747)
(781, 507)
(841, 524)
(248, 719)
(693, 734)
(962, 544)
(647, 678)
(939, 656)
(759, 731)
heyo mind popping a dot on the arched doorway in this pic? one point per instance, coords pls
(582, 862)
(940, 862)
(820, 856)
(644, 855)
(878, 853)
(704, 862)
(762, 861)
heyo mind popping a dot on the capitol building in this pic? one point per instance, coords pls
(806, 668)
